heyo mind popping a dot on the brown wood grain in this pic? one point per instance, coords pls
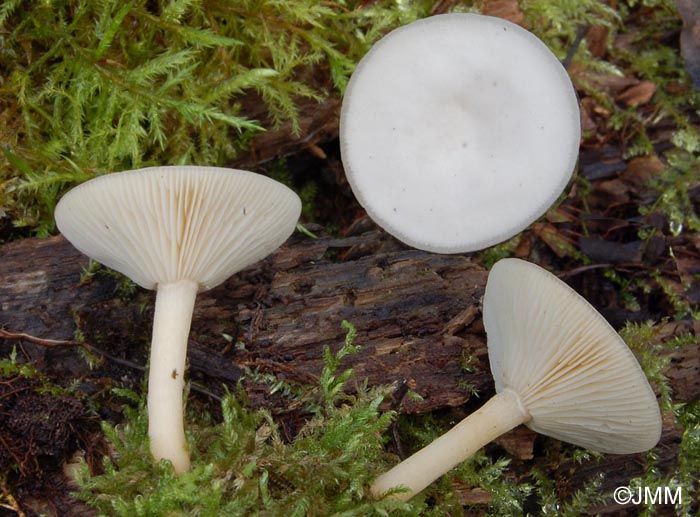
(405, 304)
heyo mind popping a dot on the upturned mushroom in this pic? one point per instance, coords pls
(559, 368)
(457, 131)
(178, 230)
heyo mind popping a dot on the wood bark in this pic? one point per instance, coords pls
(411, 310)
(417, 315)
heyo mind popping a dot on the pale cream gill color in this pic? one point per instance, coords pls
(163, 224)
(179, 230)
(559, 368)
(575, 375)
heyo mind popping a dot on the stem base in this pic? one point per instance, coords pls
(500, 414)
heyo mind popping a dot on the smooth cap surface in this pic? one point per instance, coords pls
(577, 378)
(459, 130)
(164, 224)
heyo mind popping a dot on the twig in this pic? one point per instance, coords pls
(20, 336)
(582, 269)
(580, 34)
(203, 391)
(18, 461)
(396, 399)
(13, 503)
(292, 372)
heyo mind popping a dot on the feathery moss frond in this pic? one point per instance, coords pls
(242, 466)
(94, 87)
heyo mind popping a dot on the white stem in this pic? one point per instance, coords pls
(499, 415)
(171, 328)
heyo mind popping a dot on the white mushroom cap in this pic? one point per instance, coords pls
(458, 131)
(164, 224)
(574, 374)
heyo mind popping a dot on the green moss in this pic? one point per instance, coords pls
(645, 342)
(674, 184)
(10, 367)
(507, 497)
(627, 288)
(94, 87)
(643, 339)
(242, 465)
(126, 289)
(558, 22)
(689, 456)
(493, 254)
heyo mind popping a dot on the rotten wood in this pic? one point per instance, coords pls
(417, 315)
(408, 307)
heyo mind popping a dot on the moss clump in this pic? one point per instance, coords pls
(93, 87)
(243, 466)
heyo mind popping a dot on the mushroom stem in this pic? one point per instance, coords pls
(171, 328)
(499, 415)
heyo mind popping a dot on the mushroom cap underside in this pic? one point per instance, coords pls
(164, 224)
(459, 130)
(575, 375)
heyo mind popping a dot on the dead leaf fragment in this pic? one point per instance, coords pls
(588, 124)
(522, 251)
(609, 193)
(559, 215)
(638, 94)
(506, 9)
(640, 170)
(676, 88)
(607, 82)
(560, 245)
(596, 40)
(602, 251)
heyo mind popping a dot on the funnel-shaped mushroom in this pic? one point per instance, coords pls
(179, 230)
(559, 368)
(459, 130)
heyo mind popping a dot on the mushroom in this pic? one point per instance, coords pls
(457, 131)
(179, 230)
(559, 368)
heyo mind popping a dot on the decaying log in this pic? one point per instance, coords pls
(417, 315)
(410, 309)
